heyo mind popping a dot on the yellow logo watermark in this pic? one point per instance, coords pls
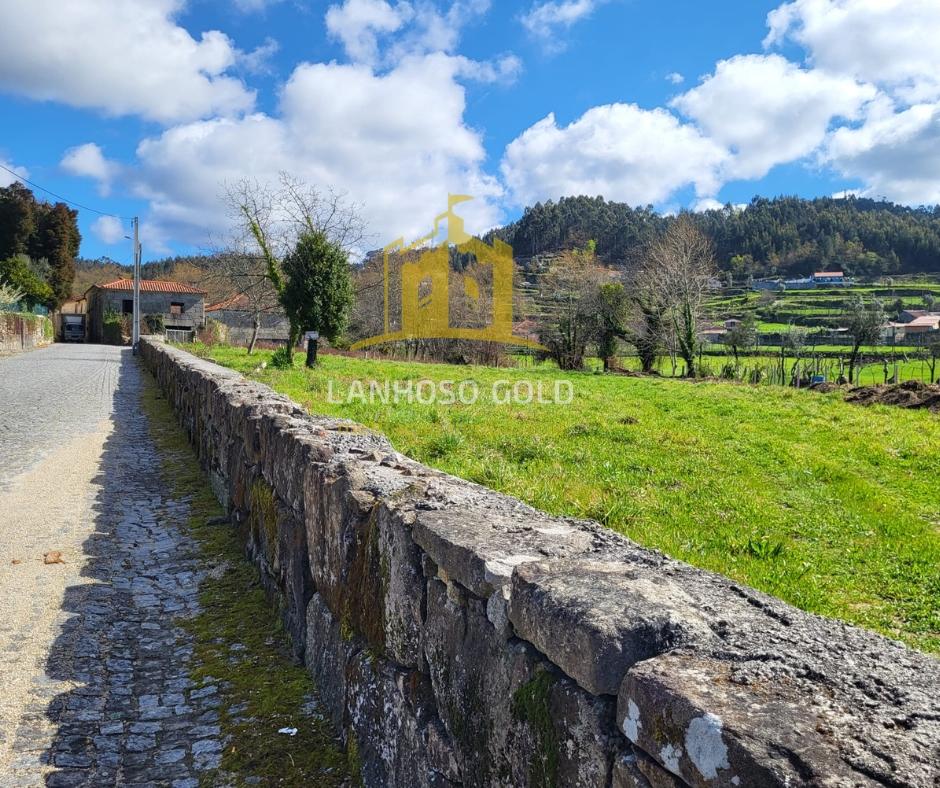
(425, 285)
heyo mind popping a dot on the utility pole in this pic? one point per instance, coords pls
(135, 327)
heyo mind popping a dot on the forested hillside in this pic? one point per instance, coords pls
(786, 235)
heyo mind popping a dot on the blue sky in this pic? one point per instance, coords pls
(150, 108)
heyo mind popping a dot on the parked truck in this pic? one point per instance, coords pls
(73, 328)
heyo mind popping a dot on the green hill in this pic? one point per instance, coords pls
(789, 236)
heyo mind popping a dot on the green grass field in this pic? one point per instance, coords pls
(831, 506)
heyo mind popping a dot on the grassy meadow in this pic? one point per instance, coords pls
(831, 506)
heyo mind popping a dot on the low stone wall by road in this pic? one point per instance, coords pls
(460, 637)
(19, 333)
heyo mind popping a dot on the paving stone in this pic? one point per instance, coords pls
(112, 703)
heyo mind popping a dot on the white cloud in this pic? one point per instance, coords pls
(893, 43)
(769, 111)
(895, 154)
(395, 142)
(88, 161)
(258, 60)
(6, 178)
(675, 78)
(440, 31)
(504, 69)
(546, 21)
(379, 33)
(358, 24)
(708, 204)
(108, 229)
(123, 57)
(619, 150)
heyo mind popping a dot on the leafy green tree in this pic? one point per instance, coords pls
(272, 223)
(649, 310)
(317, 292)
(45, 232)
(863, 321)
(17, 272)
(18, 210)
(57, 240)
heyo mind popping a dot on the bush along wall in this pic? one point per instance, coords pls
(19, 332)
(461, 638)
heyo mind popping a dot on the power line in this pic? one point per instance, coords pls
(63, 199)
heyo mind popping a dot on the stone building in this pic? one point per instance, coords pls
(239, 319)
(181, 306)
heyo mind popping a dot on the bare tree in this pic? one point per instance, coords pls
(742, 336)
(567, 305)
(682, 265)
(864, 322)
(242, 276)
(270, 220)
(933, 358)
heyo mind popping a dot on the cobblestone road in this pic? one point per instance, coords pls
(96, 689)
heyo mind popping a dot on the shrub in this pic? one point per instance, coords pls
(282, 358)
(112, 328)
(155, 324)
(214, 333)
(10, 297)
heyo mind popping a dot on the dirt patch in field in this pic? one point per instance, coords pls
(910, 394)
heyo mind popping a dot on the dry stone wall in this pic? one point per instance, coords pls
(462, 638)
(19, 333)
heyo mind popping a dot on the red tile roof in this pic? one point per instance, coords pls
(830, 274)
(924, 320)
(235, 303)
(152, 286)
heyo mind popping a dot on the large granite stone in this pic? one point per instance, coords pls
(475, 675)
(327, 654)
(714, 721)
(478, 537)
(597, 619)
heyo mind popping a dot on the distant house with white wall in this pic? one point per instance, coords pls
(829, 279)
(818, 279)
